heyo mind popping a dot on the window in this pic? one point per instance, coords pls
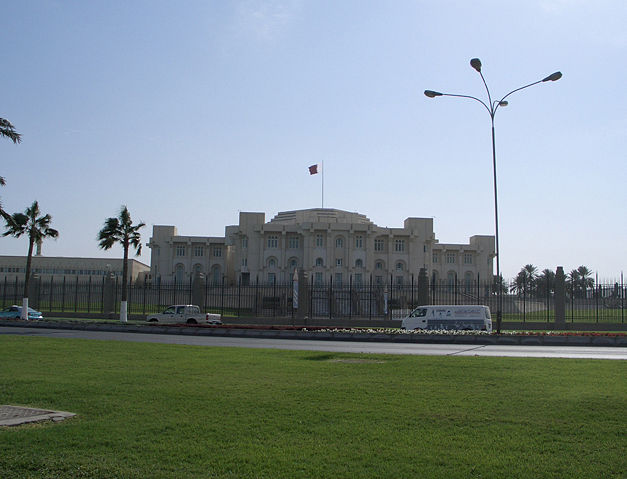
(217, 251)
(436, 258)
(319, 241)
(292, 242)
(338, 279)
(450, 258)
(359, 279)
(399, 266)
(359, 264)
(339, 242)
(359, 241)
(293, 264)
(399, 281)
(319, 262)
(272, 263)
(318, 278)
(244, 261)
(244, 242)
(199, 251)
(399, 245)
(379, 245)
(273, 241)
(378, 280)
(338, 262)
(271, 278)
(467, 258)
(180, 251)
(378, 265)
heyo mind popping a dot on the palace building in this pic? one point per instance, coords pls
(327, 244)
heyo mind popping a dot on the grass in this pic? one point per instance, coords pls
(169, 411)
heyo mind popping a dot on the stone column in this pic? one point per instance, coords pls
(303, 294)
(423, 287)
(560, 298)
(33, 291)
(109, 294)
(198, 290)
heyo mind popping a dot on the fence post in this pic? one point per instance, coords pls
(108, 295)
(560, 298)
(423, 287)
(63, 296)
(197, 288)
(76, 295)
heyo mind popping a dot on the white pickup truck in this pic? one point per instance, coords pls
(184, 313)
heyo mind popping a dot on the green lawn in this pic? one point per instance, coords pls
(166, 411)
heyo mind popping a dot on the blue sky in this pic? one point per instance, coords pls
(189, 112)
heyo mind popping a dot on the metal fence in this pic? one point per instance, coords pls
(58, 295)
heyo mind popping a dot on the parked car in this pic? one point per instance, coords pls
(184, 313)
(15, 312)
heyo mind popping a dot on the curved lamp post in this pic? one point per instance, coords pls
(492, 107)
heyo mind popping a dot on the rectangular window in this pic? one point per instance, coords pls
(450, 258)
(359, 241)
(273, 241)
(359, 279)
(271, 278)
(199, 251)
(180, 251)
(319, 241)
(338, 279)
(379, 245)
(244, 261)
(436, 258)
(467, 258)
(244, 242)
(399, 281)
(217, 251)
(399, 245)
(292, 242)
(318, 278)
(339, 243)
(338, 262)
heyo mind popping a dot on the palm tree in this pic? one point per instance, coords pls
(37, 228)
(8, 130)
(525, 280)
(545, 282)
(121, 230)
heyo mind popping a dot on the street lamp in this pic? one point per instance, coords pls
(492, 107)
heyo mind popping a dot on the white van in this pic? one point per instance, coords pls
(449, 317)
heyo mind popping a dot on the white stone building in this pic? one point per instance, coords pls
(328, 244)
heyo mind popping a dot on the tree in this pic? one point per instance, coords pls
(545, 282)
(7, 130)
(580, 281)
(525, 281)
(37, 228)
(121, 230)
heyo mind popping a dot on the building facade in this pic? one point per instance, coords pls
(14, 267)
(178, 258)
(328, 244)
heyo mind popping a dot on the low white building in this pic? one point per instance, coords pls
(328, 244)
(12, 267)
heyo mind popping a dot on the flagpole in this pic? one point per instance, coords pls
(322, 184)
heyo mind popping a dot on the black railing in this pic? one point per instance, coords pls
(595, 304)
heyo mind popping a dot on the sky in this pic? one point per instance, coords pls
(190, 112)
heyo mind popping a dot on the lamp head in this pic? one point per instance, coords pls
(432, 94)
(503, 103)
(553, 77)
(476, 64)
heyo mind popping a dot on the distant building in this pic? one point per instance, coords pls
(12, 267)
(328, 244)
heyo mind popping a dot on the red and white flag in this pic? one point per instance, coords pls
(314, 169)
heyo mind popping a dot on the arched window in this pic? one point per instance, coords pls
(272, 263)
(293, 264)
(359, 263)
(339, 242)
(179, 273)
(319, 262)
(379, 265)
(400, 266)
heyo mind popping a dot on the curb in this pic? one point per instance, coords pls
(507, 340)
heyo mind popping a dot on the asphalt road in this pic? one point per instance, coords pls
(334, 346)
